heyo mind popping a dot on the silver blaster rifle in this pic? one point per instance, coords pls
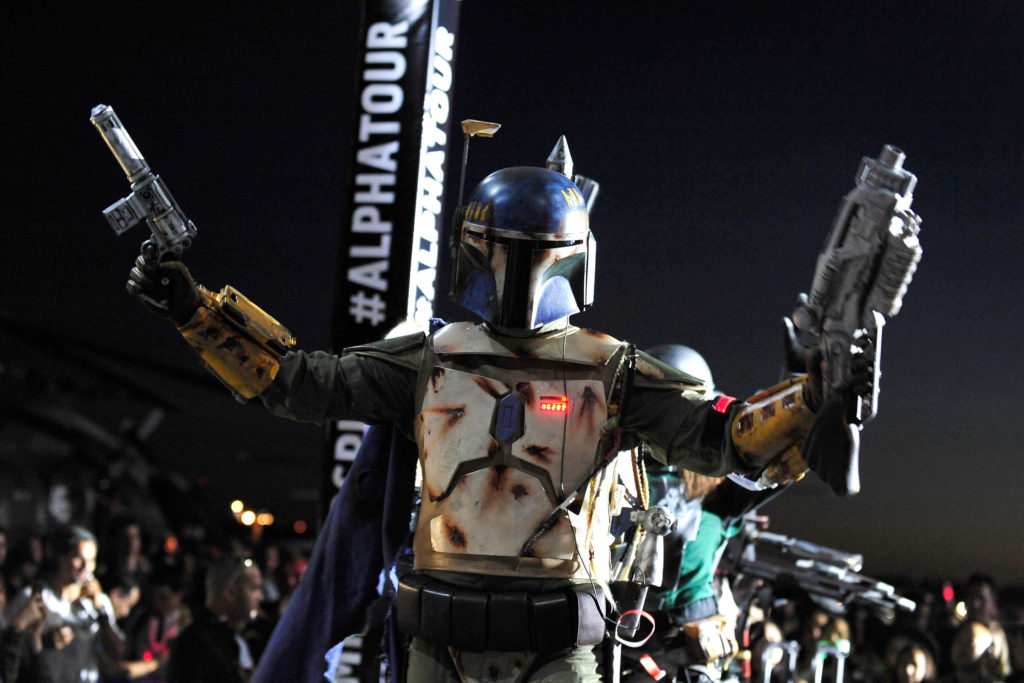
(869, 258)
(786, 563)
(862, 274)
(150, 200)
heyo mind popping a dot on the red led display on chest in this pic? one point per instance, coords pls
(554, 404)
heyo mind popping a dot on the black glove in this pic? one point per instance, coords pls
(832, 448)
(165, 288)
(804, 356)
(801, 359)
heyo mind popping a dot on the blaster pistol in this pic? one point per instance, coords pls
(150, 200)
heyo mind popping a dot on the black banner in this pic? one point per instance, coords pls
(391, 235)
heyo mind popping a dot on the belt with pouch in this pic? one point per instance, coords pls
(474, 620)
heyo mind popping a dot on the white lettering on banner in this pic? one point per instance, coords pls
(349, 661)
(354, 663)
(380, 156)
(346, 444)
(430, 185)
(369, 248)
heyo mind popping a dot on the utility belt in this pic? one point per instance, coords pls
(473, 620)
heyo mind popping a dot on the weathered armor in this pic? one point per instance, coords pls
(239, 342)
(507, 430)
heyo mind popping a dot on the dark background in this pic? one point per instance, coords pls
(723, 136)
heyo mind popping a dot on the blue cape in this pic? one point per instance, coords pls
(366, 527)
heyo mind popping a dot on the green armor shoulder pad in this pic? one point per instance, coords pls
(653, 373)
(403, 351)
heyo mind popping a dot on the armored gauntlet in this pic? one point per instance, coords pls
(239, 342)
(769, 432)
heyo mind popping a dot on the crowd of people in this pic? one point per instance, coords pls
(968, 634)
(112, 605)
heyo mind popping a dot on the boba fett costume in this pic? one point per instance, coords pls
(694, 636)
(515, 420)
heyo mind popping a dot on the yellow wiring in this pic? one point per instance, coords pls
(643, 493)
(592, 489)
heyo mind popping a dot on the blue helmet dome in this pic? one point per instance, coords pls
(534, 201)
(525, 252)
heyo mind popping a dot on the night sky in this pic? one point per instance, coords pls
(723, 135)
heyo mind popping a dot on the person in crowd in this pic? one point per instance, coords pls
(164, 618)
(21, 638)
(23, 562)
(268, 556)
(125, 596)
(820, 628)
(1012, 608)
(3, 549)
(125, 556)
(765, 636)
(79, 625)
(975, 656)
(152, 629)
(983, 607)
(290, 573)
(908, 652)
(915, 663)
(212, 648)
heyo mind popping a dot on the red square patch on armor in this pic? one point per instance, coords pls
(722, 403)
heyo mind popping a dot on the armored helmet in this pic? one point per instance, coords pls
(524, 253)
(686, 359)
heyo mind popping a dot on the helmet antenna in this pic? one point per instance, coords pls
(471, 127)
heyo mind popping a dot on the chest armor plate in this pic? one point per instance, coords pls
(506, 430)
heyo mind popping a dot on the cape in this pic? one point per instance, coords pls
(366, 528)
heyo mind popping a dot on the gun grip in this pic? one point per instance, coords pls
(832, 448)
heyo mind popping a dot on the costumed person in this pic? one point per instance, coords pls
(694, 636)
(514, 419)
(682, 593)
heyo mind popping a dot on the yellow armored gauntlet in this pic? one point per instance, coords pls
(238, 340)
(770, 430)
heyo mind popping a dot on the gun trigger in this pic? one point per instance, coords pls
(153, 303)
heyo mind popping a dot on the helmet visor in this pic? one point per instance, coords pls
(522, 283)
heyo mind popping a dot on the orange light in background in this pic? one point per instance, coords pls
(299, 527)
(248, 518)
(264, 519)
(171, 545)
(237, 506)
(554, 404)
